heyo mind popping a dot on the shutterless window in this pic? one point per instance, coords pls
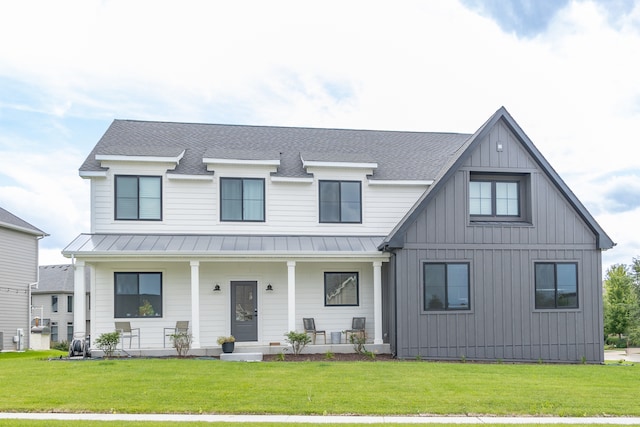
(54, 331)
(556, 285)
(54, 303)
(341, 289)
(446, 286)
(69, 303)
(69, 331)
(138, 295)
(241, 199)
(340, 201)
(138, 197)
(494, 198)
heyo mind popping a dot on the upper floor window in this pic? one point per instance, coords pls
(138, 197)
(138, 295)
(556, 285)
(446, 286)
(340, 201)
(498, 197)
(54, 303)
(241, 199)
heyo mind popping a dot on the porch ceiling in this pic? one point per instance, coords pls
(224, 246)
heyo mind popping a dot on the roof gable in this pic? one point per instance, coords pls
(395, 239)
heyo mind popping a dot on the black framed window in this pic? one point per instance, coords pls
(556, 285)
(54, 303)
(341, 289)
(138, 295)
(69, 303)
(138, 198)
(69, 331)
(446, 286)
(242, 199)
(340, 201)
(499, 197)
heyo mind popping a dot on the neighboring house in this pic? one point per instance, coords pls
(450, 245)
(18, 274)
(52, 301)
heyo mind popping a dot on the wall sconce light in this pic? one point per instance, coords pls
(216, 288)
(269, 287)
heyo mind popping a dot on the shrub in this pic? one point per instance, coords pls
(108, 342)
(358, 341)
(298, 340)
(182, 343)
(60, 345)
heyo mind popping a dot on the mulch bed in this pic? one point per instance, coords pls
(321, 357)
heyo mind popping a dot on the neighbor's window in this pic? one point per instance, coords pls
(138, 295)
(69, 331)
(556, 285)
(446, 286)
(499, 197)
(138, 197)
(54, 303)
(340, 289)
(69, 303)
(54, 331)
(241, 199)
(340, 201)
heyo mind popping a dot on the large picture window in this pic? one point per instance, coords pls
(340, 201)
(340, 289)
(556, 285)
(138, 295)
(241, 199)
(446, 286)
(138, 197)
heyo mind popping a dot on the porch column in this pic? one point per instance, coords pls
(79, 295)
(377, 302)
(291, 295)
(195, 303)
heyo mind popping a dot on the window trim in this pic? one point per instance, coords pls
(242, 180)
(555, 285)
(340, 182)
(445, 307)
(138, 316)
(115, 192)
(354, 273)
(523, 181)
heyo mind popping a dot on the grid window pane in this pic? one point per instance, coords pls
(507, 198)
(480, 198)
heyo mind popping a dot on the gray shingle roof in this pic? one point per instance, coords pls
(9, 220)
(57, 278)
(399, 155)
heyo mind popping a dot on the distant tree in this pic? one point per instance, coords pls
(620, 301)
(634, 328)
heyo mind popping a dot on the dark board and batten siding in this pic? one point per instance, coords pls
(503, 322)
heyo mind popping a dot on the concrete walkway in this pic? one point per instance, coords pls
(331, 419)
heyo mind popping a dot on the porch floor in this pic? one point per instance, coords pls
(245, 348)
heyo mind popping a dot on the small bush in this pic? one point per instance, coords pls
(329, 355)
(358, 341)
(182, 343)
(298, 340)
(616, 342)
(60, 345)
(108, 342)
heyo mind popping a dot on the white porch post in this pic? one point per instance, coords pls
(195, 303)
(291, 295)
(79, 292)
(377, 302)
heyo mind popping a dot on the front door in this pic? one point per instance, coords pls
(244, 311)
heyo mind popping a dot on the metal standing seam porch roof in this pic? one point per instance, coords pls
(208, 245)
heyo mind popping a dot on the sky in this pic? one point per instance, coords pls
(567, 71)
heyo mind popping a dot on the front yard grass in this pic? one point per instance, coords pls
(33, 384)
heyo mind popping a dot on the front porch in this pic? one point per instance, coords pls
(273, 349)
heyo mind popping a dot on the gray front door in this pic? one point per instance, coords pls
(244, 311)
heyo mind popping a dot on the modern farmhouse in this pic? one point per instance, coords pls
(448, 245)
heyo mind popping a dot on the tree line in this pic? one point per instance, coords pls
(622, 303)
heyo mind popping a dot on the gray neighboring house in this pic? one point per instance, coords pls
(52, 301)
(18, 270)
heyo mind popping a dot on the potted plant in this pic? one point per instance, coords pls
(227, 343)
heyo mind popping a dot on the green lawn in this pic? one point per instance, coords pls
(31, 383)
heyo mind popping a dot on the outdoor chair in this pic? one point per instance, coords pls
(357, 327)
(182, 327)
(310, 328)
(126, 331)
